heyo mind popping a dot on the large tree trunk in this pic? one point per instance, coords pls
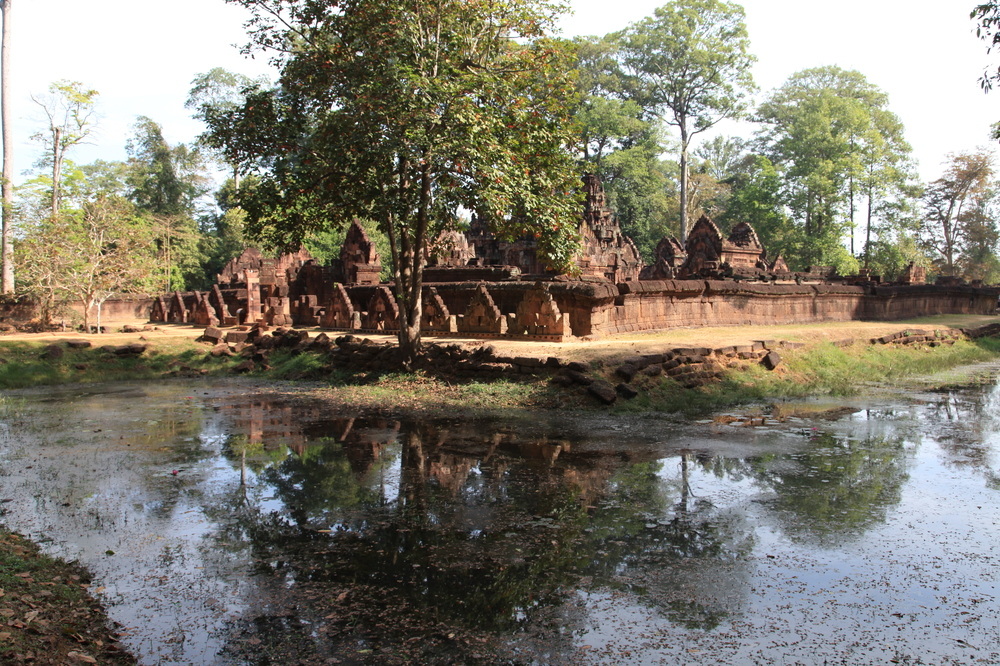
(7, 187)
(57, 158)
(411, 275)
(685, 139)
(88, 303)
(868, 226)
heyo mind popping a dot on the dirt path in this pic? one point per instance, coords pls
(607, 348)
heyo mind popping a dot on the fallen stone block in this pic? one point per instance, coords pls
(771, 361)
(579, 377)
(626, 371)
(603, 391)
(244, 367)
(626, 391)
(213, 335)
(52, 352)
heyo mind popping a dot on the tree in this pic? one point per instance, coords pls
(948, 202)
(829, 131)
(757, 197)
(404, 112)
(166, 182)
(42, 258)
(87, 255)
(979, 260)
(7, 184)
(109, 253)
(69, 109)
(217, 92)
(987, 18)
(621, 146)
(690, 65)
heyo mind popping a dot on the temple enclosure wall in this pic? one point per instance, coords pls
(662, 304)
(596, 309)
(593, 309)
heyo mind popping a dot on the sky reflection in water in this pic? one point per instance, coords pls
(224, 525)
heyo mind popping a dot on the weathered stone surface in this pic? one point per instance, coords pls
(53, 352)
(626, 371)
(772, 360)
(626, 391)
(78, 344)
(360, 260)
(579, 377)
(603, 391)
(245, 367)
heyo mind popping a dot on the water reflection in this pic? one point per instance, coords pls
(261, 529)
(836, 487)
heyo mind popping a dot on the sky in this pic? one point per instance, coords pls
(142, 55)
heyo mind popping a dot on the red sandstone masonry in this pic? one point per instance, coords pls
(664, 304)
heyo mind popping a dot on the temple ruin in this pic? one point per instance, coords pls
(476, 285)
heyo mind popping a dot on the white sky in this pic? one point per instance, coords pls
(141, 55)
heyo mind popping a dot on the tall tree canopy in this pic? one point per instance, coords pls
(166, 182)
(690, 64)
(954, 204)
(830, 132)
(69, 112)
(622, 144)
(405, 111)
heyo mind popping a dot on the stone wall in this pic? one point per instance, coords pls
(594, 308)
(662, 304)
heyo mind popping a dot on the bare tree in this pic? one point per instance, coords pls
(7, 187)
(70, 112)
(947, 199)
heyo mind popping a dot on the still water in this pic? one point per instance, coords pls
(230, 524)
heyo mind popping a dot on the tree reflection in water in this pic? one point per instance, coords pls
(413, 540)
(837, 487)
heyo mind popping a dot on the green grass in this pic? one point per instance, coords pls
(22, 365)
(824, 369)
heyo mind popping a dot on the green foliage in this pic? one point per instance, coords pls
(621, 146)
(959, 211)
(689, 64)
(405, 112)
(818, 370)
(166, 182)
(987, 18)
(756, 196)
(69, 109)
(25, 366)
(325, 245)
(829, 132)
(88, 255)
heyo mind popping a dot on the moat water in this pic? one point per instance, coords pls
(228, 524)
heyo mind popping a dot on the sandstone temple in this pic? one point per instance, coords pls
(476, 285)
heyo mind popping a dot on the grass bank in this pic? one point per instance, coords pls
(815, 369)
(822, 369)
